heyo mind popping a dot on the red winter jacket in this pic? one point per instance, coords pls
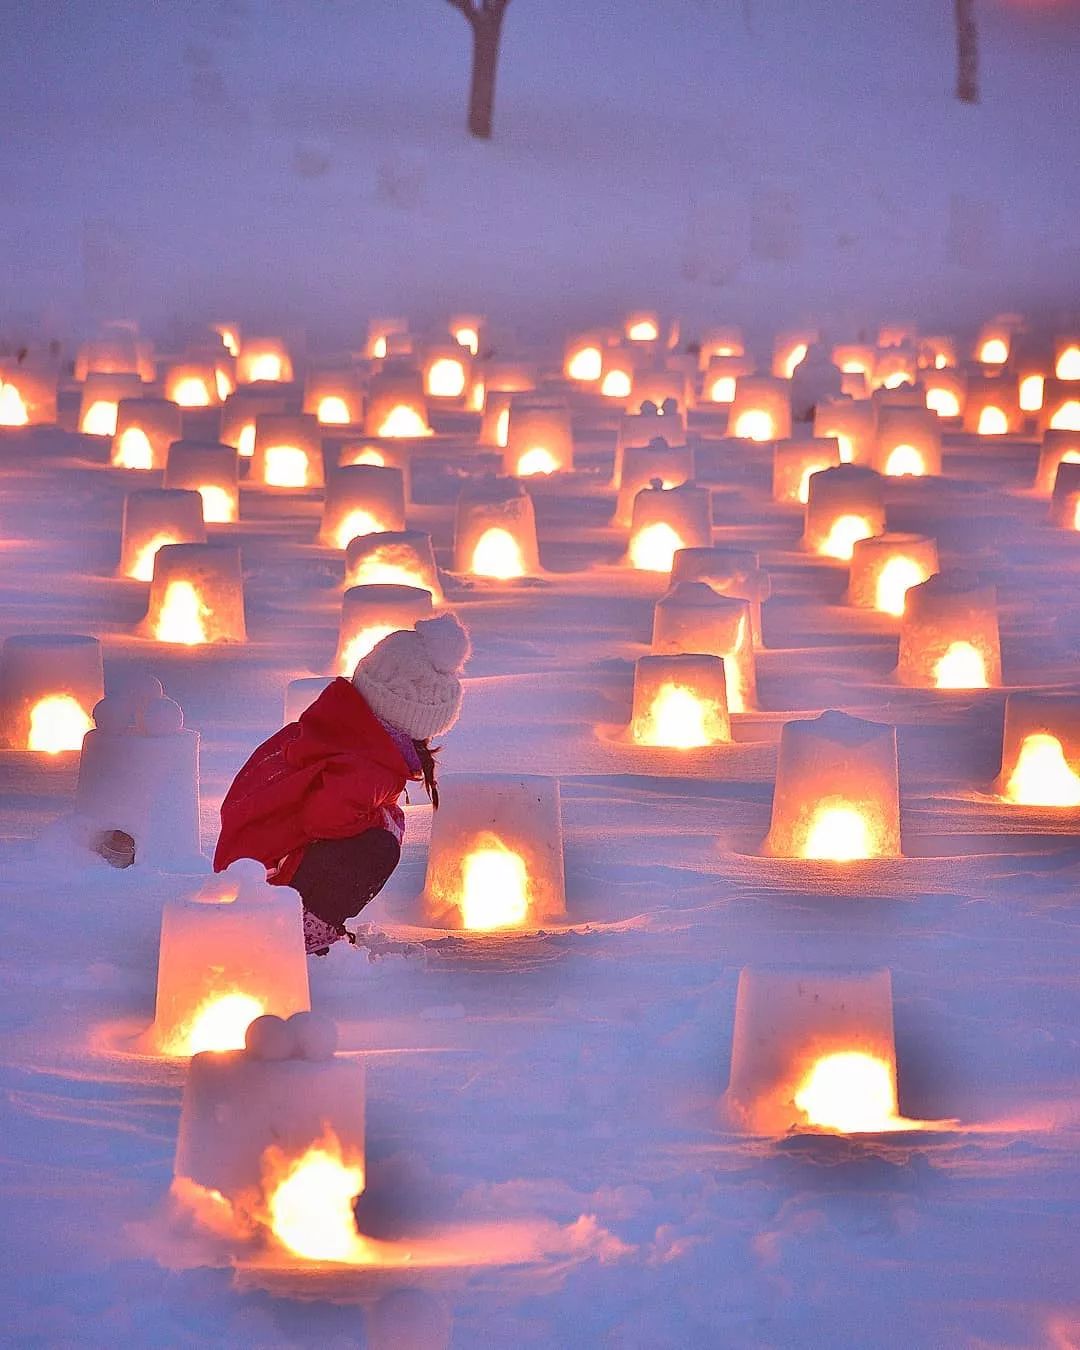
(326, 776)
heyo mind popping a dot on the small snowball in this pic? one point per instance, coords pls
(268, 1037)
(161, 717)
(142, 687)
(316, 1037)
(247, 875)
(114, 714)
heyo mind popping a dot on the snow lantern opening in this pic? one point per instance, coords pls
(836, 797)
(384, 333)
(796, 461)
(643, 326)
(1067, 359)
(48, 686)
(495, 421)
(371, 612)
(617, 381)
(949, 635)
(28, 391)
(495, 531)
(263, 360)
(993, 421)
(728, 571)
(101, 395)
(153, 518)
(288, 451)
(993, 349)
(196, 594)
(1031, 392)
(693, 619)
(843, 505)
(446, 373)
(665, 520)
(238, 414)
(584, 360)
(945, 394)
(362, 499)
(761, 409)
(720, 342)
(671, 465)
(886, 566)
(466, 335)
(333, 397)
(908, 442)
(394, 558)
(229, 333)
(680, 702)
(538, 438)
(145, 428)
(212, 470)
(496, 855)
(1066, 417)
(853, 424)
(13, 412)
(722, 375)
(992, 407)
(396, 406)
(1040, 756)
(894, 369)
(1058, 447)
(192, 384)
(790, 351)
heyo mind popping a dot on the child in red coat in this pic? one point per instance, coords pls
(317, 804)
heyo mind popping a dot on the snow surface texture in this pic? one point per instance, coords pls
(551, 1101)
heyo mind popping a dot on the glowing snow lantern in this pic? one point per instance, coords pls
(760, 410)
(1040, 759)
(854, 426)
(584, 360)
(671, 465)
(992, 348)
(716, 342)
(643, 326)
(854, 359)
(1061, 406)
(370, 613)
(229, 333)
(153, 518)
(642, 428)
(721, 378)
(1065, 501)
(288, 451)
(949, 635)
(993, 407)
(945, 394)
(263, 360)
(211, 470)
(814, 1052)
(145, 428)
(333, 397)
(680, 702)
(28, 391)
(790, 351)
(895, 368)
(362, 499)
(1058, 447)
(886, 566)
(667, 389)
(539, 439)
(617, 380)
(1031, 384)
(508, 377)
(728, 571)
(495, 531)
(191, 384)
(446, 373)
(271, 1141)
(844, 505)
(836, 797)
(139, 773)
(937, 353)
(693, 618)
(496, 855)
(382, 333)
(795, 461)
(196, 595)
(396, 406)
(908, 442)
(48, 686)
(12, 408)
(100, 396)
(238, 415)
(666, 520)
(117, 350)
(495, 422)
(1067, 359)
(393, 558)
(466, 330)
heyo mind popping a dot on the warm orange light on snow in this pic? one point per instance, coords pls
(223, 384)
(495, 890)
(229, 340)
(502, 428)
(850, 1092)
(355, 524)
(894, 581)
(367, 455)
(1042, 775)
(12, 408)
(843, 535)
(942, 401)
(962, 667)
(181, 617)
(286, 466)
(402, 422)
(358, 647)
(585, 365)
(57, 723)
(1031, 392)
(1067, 417)
(616, 384)
(245, 442)
(653, 548)
(793, 359)
(838, 833)
(467, 336)
(445, 378)
(723, 389)
(333, 411)
(538, 460)
(310, 1202)
(905, 460)
(100, 419)
(676, 719)
(134, 450)
(755, 425)
(219, 505)
(994, 352)
(265, 366)
(1068, 363)
(645, 330)
(498, 555)
(143, 567)
(191, 392)
(993, 421)
(218, 1024)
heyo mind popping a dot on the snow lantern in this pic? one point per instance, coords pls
(937, 353)
(466, 330)
(153, 518)
(28, 392)
(362, 499)
(271, 1140)
(508, 377)
(496, 855)
(212, 470)
(583, 359)
(722, 376)
(495, 531)
(642, 325)
(813, 1052)
(1061, 406)
(680, 701)
(370, 613)
(665, 520)
(949, 635)
(1067, 357)
(1065, 500)
(665, 388)
(618, 373)
(994, 343)
(263, 360)
(230, 953)
(724, 341)
(380, 332)
(49, 684)
(886, 566)
(760, 410)
(288, 451)
(495, 420)
(794, 461)
(539, 439)
(238, 415)
(855, 358)
(945, 393)
(844, 505)
(393, 558)
(908, 442)
(671, 465)
(396, 406)
(650, 423)
(1032, 372)
(895, 368)
(790, 350)
(1040, 756)
(117, 350)
(333, 397)
(301, 694)
(729, 571)
(853, 424)
(836, 796)
(196, 595)
(229, 335)
(145, 428)
(693, 618)
(192, 383)
(139, 773)
(100, 396)
(992, 407)
(1058, 447)
(446, 371)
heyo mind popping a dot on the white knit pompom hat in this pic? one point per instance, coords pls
(410, 679)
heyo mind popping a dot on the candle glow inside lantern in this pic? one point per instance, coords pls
(192, 383)
(1067, 359)
(949, 635)
(1058, 447)
(583, 360)
(230, 953)
(145, 428)
(894, 368)
(495, 421)
(362, 499)
(617, 379)
(379, 335)
(729, 571)
(496, 855)
(153, 518)
(665, 520)
(333, 397)
(796, 461)
(886, 566)
(28, 392)
(196, 595)
(210, 469)
(288, 451)
(908, 442)
(721, 341)
(495, 531)
(760, 410)
(238, 414)
(837, 797)
(1065, 501)
(844, 505)
(396, 406)
(100, 396)
(271, 1142)
(139, 773)
(371, 612)
(854, 358)
(1061, 406)
(263, 360)
(853, 424)
(642, 326)
(465, 329)
(671, 465)
(993, 344)
(993, 407)
(692, 618)
(814, 1052)
(722, 376)
(393, 558)
(1040, 759)
(48, 685)
(446, 372)
(651, 423)
(945, 393)
(790, 351)
(539, 439)
(680, 702)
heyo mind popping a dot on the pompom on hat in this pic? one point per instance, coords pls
(411, 678)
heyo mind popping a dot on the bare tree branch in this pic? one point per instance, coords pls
(465, 6)
(967, 52)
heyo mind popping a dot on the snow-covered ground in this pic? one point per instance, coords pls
(557, 1094)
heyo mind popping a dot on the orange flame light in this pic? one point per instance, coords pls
(218, 1024)
(616, 384)
(538, 460)
(994, 352)
(191, 392)
(1031, 393)
(265, 366)
(1042, 775)
(354, 525)
(993, 421)
(1067, 417)
(134, 450)
(677, 719)
(143, 567)
(585, 365)
(217, 503)
(333, 411)
(755, 425)
(403, 422)
(446, 378)
(12, 408)
(181, 616)
(99, 419)
(1068, 363)
(497, 555)
(653, 548)
(359, 646)
(57, 723)
(894, 581)
(495, 889)
(943, 401)
(310, 1202)
(962, 667)
(904, 460)
(286, 466)
(845, 533)
(850, 1092)
(838, 833)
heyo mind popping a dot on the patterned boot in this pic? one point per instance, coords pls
(320, 935)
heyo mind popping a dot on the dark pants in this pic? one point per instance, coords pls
(338, 877)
